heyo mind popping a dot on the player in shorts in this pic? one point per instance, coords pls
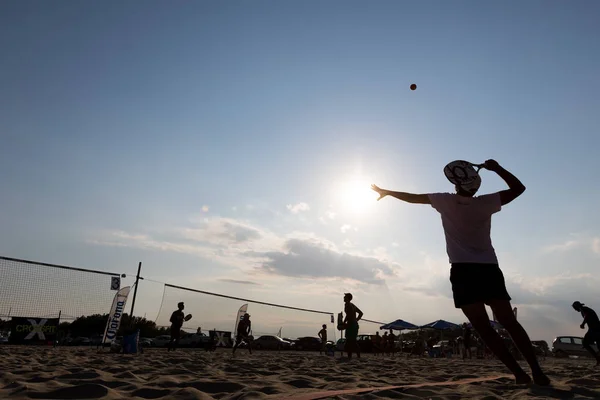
(243, 333)
(353, 315)
(593, 334)
(475, 275)
(323, 337)
(176, 323)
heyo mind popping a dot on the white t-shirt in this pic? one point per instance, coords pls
(467, 223)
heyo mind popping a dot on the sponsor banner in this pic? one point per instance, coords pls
(26, 330)
(116, 314)
(221, 338)
(240, 314)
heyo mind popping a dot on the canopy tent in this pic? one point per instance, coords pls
(441, 325)
(398, 325)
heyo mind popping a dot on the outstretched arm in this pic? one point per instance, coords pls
(408, 197)
(515, 187)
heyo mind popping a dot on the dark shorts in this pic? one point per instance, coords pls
(352, 330)
(477, 283)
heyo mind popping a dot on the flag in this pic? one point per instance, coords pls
(116, 314)
(240, 314)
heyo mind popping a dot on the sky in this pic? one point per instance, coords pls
(230, 146)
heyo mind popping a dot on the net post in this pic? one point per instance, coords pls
(58, 328)
(137, 279)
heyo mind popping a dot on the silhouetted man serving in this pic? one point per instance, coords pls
(475, 275)
(593, 334)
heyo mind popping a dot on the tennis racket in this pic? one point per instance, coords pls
(460, 172)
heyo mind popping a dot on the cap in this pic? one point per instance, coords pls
(577, 304)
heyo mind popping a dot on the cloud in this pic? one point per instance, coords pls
(223, 231)
(255, 250)
(313, 259)
(562, 247)
(345, 228)
(596, 245)
(297, 208)
(205, 208)
(578, 242)
(240, 282)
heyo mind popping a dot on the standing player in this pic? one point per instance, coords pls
(243, 333)
(593, 334)
(475, 275)
(351, 323)
(176, 323)
(323, 337)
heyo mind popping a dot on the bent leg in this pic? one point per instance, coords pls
(588, 341)
(506, 317)
(479, 318)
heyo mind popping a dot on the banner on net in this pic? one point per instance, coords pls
(116, 315)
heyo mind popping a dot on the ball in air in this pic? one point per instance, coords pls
(413, 87)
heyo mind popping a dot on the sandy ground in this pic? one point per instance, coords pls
(84, 373)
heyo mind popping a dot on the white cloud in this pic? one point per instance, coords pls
(562, 247)
(345, 228)
(205, 208)
(255, 250)
(578, 242)
(596, 245)
(297, 208)
(330, 214)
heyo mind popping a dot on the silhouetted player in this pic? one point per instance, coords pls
(243, 333)
(351, 322)
(475, 275)
(593, 334)
(176, 323)
(466, 341)
(323, 337)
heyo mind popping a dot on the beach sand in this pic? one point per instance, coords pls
(85, 373)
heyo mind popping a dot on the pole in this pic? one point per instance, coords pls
(137, 279)
(57, 329)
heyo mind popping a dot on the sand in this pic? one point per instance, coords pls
(84, 373)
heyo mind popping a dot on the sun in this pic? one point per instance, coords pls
(355, 195)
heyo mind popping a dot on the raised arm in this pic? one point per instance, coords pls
(408, 197)
(515, 187)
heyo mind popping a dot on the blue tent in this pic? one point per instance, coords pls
(399, 325)
(440, 324)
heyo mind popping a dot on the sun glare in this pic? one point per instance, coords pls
(356, 196)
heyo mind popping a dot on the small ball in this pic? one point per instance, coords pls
(413, 87)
